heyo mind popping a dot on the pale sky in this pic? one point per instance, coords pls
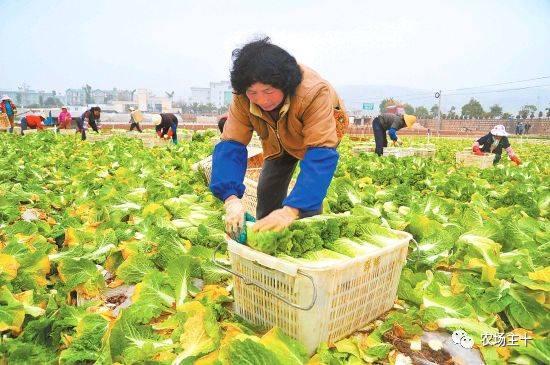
(173, 45)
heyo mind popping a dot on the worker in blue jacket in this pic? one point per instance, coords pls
(298, 117)
(390, 124)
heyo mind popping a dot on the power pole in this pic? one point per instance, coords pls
(438, 97)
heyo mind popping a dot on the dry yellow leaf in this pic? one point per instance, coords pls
(8, 266)
(541, 275)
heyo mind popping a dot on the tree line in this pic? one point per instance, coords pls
(198, 108)
(471, 110)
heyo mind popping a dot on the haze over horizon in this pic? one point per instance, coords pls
(173, 45)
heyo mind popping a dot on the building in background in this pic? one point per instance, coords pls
(200, 95)
(219, 94)
(98, 96)
(148, 102)
(25, 96)
(75, 97)
(114, 100)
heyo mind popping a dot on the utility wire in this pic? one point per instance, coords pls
(427, 95)
(499, 91)
(500, 83)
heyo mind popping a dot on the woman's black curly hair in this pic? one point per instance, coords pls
(262, 61)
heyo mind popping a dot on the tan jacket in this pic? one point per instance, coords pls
(305, 119)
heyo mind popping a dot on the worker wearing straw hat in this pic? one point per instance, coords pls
(136, 117)
(390, 124)
(8, 107)
(494, 142)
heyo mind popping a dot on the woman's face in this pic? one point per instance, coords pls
(265, 96)
(498, 138)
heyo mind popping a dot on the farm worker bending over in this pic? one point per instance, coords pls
(64, 119)
(166, 126)
(136, 117)
(32, 121)
(494, 142)
(298, 117)
(90, 118)
(390, 123)
(8, 107)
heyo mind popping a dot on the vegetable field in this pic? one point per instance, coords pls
(105, 254)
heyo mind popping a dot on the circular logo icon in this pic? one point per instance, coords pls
(458, 335)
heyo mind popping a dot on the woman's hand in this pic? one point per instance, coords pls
(277, 220)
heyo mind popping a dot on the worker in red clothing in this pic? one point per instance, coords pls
(494, 142)
(32, 121)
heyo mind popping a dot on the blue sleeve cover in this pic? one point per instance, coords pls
(228, 169)
(393, 134)
(316, 172)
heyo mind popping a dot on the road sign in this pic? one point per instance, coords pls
(368, 106)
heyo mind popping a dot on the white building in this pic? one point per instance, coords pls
(24, 96)
(219, 94)
(147, 102)
(200, 95)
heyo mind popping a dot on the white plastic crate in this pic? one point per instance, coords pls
(250, 196)
(468, 158)
(398, 152)
(255, 160)
(363, 148)
(423, 150)
(316, 303)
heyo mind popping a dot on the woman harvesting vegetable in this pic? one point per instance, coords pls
(494, 142)
(298, 117)
(389, 123)
(90, 118)
(166, 126)
(64, 119)
(8, 107)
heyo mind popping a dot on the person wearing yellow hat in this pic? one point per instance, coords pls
(390, 124)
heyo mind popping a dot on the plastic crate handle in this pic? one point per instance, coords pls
(247, 281)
